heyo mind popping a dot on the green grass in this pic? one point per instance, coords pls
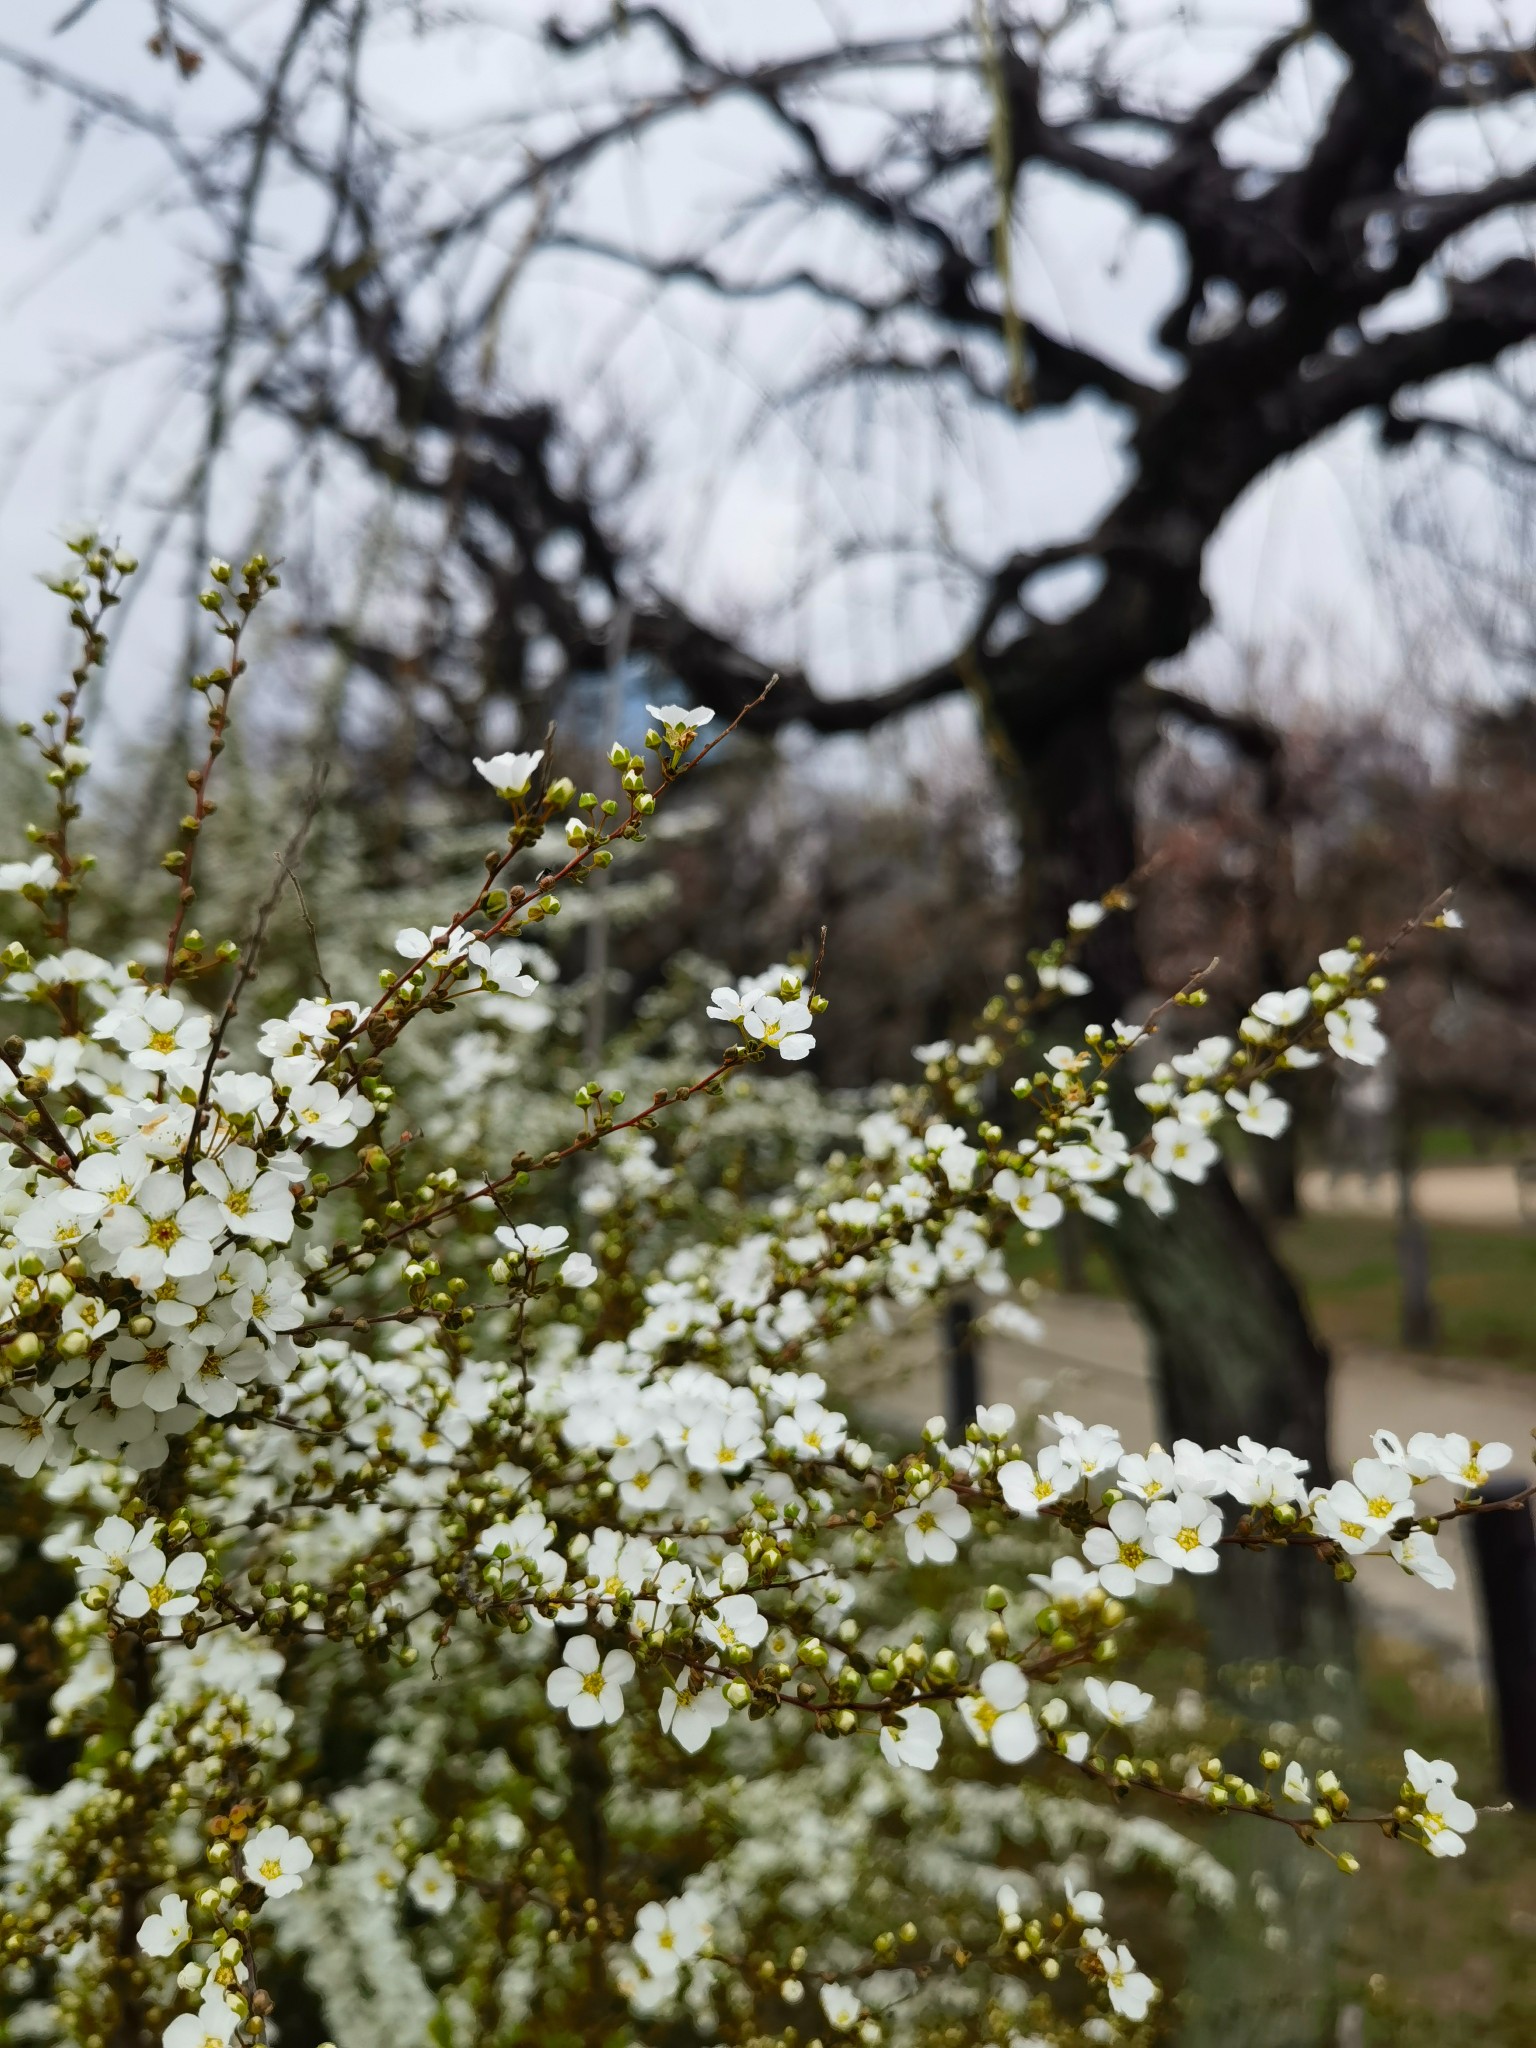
(1440, 1954)
(1483, 1281)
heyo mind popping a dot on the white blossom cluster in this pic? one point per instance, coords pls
(327, 1423)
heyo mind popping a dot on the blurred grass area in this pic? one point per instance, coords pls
(1455, 1144)
(1484, 1284)
(1439, 1954)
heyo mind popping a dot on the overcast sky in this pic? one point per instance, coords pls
(777, 521)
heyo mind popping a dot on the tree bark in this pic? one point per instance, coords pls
(1233, 1347)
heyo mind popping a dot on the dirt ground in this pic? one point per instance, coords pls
(1487, 1197)
(1094, 1363)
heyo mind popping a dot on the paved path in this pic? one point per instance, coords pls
(1094, 1363)
(1488, 1197)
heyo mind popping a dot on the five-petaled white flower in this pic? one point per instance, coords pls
(252, 1201)
(431, 1885)
(784, 1026)
(1124, 1553)
(168, 1591)
(277, 1860)
(1184, 1531)
(935, 1527)
(587, 1687)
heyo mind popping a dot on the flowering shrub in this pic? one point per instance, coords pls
(482, 1624)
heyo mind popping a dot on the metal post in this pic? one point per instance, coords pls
(963, 1366)
(1504, 1544)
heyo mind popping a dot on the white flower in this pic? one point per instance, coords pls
(1123, 1553)
(160, 1036)
(1144, 1183)
(935, 1527)
(590, 1692)
(277, 1860)
(40, 873)
(1446, 1818)
(1352, 1032)
(1259, 1110)
(1086, 1907)
(1082, 917)
(162, 1233)
(211, 2026)
(998, 1717)
(812, 1431)
(784, 1026)
(1416, 1553)
(162, 1933)
(678, 723)
(578, 1271)
(532, 1240)
(431, 1885)
(1028, 1488)
(1184, 1532)
(736, 1621)
(28, 1431)
(1465, 1462)
(1344, 1513)
(1130, 1990)
(668, 1935)
(509, 774)
(320, 1112)
(1262, 1475)
(916, 1743)
(104, 1559)
(1339, 963)
(1182, 1149)
(1119, 1703)
(252, 1201)
(691, 1718)
(1030, 1197)
(1295, 1786)
(165, 1590)
(841, 2006)
(997, 1422)
(1281, 1008)
(1206, 1061)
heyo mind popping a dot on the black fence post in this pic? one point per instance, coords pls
(962, 1367)
(1504, 1544)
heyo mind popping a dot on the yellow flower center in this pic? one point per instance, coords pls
(593, 1683)
(271, 1870)
(162, 1041)
(1132, 1554)
(1188, 1539)
(164, 1233)
(1354, 1529)
(1380, 1507)
(239, 1200)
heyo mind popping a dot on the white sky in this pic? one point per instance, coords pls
(771, 521)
